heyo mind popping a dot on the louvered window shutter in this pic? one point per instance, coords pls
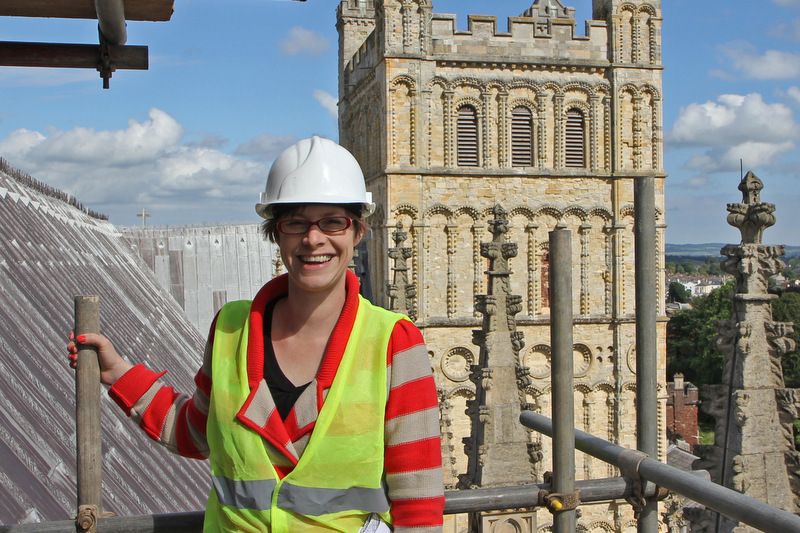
(521, 137)
(575, 149)
(467, 137)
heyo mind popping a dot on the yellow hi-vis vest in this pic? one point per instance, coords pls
(337, 482)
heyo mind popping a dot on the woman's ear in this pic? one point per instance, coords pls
(359, 234)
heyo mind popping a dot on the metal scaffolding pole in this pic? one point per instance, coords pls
(456, 502)
(111, 20)
(726, 501)
(87, 418)
(646, 333)
(563, 397)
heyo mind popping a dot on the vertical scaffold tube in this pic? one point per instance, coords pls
(563, 398)
(646, 333)
(87, 419)
(111, 20)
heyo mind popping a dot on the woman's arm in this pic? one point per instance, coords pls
(172, 419)
(413, 455)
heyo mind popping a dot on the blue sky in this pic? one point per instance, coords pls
(233, 82)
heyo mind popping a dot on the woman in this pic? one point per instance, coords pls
(316, 409)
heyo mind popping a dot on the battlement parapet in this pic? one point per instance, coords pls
(527, 39)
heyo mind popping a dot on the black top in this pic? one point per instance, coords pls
(283, 391)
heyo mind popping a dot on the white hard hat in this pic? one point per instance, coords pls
(315, 171)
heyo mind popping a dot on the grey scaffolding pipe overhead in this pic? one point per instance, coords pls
(111, 21)
(112, 28)
(106, 57)
(109, 55)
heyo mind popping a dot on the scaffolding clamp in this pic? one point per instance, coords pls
(558, 501)
(104, 65)
(629, 462)
(86, 521)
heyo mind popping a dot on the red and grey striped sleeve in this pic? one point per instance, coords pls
(413, 456)
(172, 419)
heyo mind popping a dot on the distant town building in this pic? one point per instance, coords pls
(683, 400)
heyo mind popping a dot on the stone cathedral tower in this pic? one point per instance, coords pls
(554, 127)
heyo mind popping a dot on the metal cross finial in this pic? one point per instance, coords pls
(144, 216)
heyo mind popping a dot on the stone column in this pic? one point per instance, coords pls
(583, 231)
(451, 231)
(497, 449)
(401, 292)
(753, 447)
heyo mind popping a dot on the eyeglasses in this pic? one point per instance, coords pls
(327, 225)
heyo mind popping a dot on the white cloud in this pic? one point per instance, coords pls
(328, 101)
(266, 146)
(734, 119)
(299, 40)
(789, 31)
(771, 65)
(45, 77)
(735, 128)
(793, 93)
(143, 165)
(697, 182)
(140, 142)
(750, 154)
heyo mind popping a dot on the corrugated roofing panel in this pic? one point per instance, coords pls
(49, 253)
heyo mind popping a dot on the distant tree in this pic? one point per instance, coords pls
(691, 333)
(679, 269)
(790, 273)
(678, 293)
(713, 266)
(670, 266)
(689, 268)
(787, 309)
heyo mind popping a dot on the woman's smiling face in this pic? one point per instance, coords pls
(317, 261)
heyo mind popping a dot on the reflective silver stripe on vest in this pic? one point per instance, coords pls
(312, 501)
(255, 495)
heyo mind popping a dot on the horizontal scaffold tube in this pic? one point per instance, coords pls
(457, 501)
(723, 500)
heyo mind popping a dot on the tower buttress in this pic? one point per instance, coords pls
(635, 29)
(355, 20)
(402, 25)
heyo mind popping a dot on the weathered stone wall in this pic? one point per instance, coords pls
(400, 90)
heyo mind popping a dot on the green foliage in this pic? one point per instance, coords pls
(706, 425)
(691, 333)
(789, 273)
(787, 309)
(678, 293)
(708, 263)
(690, 337)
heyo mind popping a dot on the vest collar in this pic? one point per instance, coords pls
(259, 412)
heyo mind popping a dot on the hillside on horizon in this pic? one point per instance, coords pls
(713, 248)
